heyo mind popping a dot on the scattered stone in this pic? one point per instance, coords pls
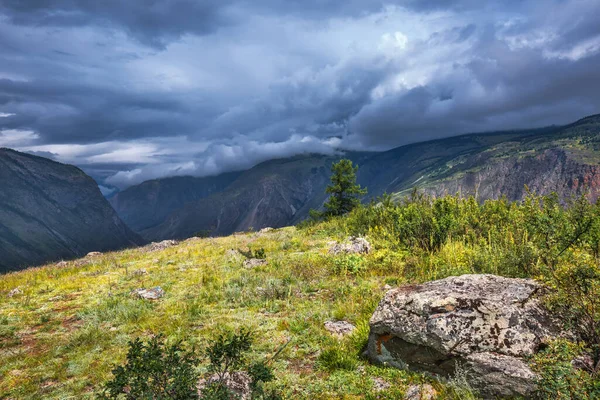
(487, 324)
(93, 254)
(62, 264)
(583, 362)
(232, 253)
(149, 294)
(353, 245)
(236, 382)
(340, 328)
(380, 385)
(15, 292)
(157, 246)
(265, 230)
(139, 272)
(420, 392)
(254, 262)
(387, 287)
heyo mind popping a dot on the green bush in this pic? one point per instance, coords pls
(154, 370)
(559, 380)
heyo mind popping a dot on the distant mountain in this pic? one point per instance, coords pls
(143, 206)
(50, 211)
(281, 192)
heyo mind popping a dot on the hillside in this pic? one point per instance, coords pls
(281, 192)
(565, 161)
(50, 211)
(64, 327)
(148, 204)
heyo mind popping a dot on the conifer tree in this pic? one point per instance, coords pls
(345, 193)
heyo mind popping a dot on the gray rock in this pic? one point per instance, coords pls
(380, 384)
(157, 246)
(93, 254)
(485, 323)
(420, 392)
(61, 264)
(139, 272)
(353, 245)
(265, 230)
(149, 294)
(254, 262)
(237, 382)
(15, 292)
(340, 328)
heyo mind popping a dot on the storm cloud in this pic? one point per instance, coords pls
(134, 90)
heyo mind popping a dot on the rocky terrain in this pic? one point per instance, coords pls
(50, 211)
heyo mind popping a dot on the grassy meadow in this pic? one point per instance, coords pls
(70, 323)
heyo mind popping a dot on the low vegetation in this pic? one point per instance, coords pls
(67, 329)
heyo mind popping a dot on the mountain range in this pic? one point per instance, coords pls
(564, 159)
(50, 211)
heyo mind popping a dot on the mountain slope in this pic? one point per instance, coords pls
(50, 211)
(281, 192)
(274, 193)
(143, 206)
(565, 161)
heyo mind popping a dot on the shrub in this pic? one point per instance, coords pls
(227, 355)
(559, 380)
(154, 370)
(348, 264)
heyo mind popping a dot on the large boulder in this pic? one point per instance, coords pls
(485, 325)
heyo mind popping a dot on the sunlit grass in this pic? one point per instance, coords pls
(62, 336)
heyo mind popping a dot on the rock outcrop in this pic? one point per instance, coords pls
(484, 324)
(353, 245)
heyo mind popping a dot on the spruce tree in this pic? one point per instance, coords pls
(345, 193)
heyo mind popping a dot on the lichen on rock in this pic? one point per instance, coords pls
(486, 323)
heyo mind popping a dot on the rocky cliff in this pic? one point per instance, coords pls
(50, 211)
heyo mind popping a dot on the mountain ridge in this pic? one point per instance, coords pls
(262, 195)
(50, 211)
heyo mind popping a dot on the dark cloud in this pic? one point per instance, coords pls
(152, 22)
(132, 90)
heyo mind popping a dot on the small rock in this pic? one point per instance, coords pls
(149, 294)
(236, 382)
(232, 253)
(353, 245)
(157, 246)
(254, 262)
(420, 392)
(340, 328)
(139, 272)
(387, 287)
(583, 362)
(265, 230)
(15, 292)
(93, 254)
(380, 385)
(62, 264)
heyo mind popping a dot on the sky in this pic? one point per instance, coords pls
(141, 89)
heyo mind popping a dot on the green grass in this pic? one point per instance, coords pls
(70, 327)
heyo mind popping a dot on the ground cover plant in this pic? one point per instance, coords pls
(63, 328)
